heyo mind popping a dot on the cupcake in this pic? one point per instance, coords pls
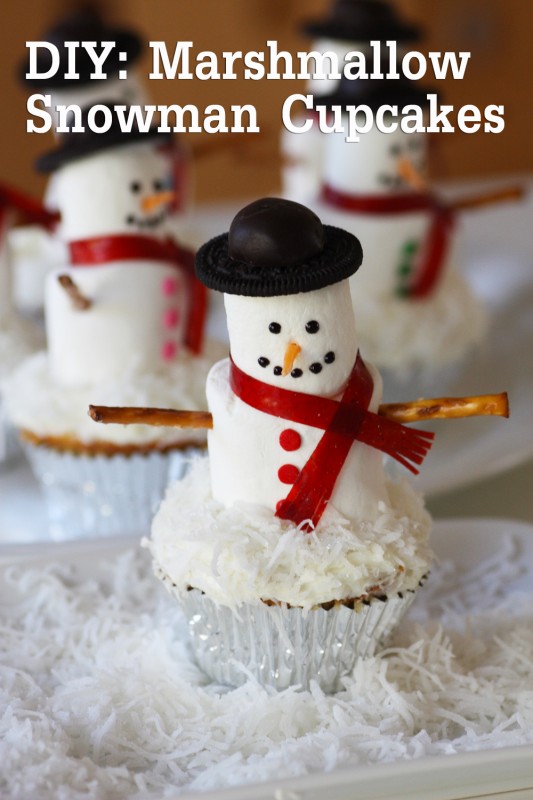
(124, 323)
(290, 551)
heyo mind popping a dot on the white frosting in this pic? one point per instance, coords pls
(244, 554)
(405, 335)
(36, 402)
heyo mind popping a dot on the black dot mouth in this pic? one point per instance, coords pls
(297, 373)
(277, 370)
(146, 222)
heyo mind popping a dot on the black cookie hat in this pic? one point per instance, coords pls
(362, 21)
(73, 146)
(375, 92)
(277, 247)
(83, 24)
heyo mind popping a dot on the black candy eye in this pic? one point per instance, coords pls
(158, 185)
(329, 358)
(135, 187)
(274, 327)
(316, 368)
(263, 362)
(277, 370)
(312, 326)
(395, 149)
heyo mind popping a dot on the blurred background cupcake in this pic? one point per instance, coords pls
(125, 324)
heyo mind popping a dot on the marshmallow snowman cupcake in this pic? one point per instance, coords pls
(125, 322)
(290, 550)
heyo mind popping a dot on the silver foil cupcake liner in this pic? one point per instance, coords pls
(10, 448)
(94, 496)
(281, 646)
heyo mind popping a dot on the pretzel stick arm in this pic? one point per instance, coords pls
(496, 405)
(416, 411)
(489, 198)
(78, 300)
(160, 417)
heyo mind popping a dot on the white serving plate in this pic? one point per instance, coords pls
(496, 774)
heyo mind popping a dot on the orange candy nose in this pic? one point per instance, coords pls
(154, 201)
(290, 356)
(408, 171)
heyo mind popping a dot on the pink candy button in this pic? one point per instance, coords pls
(169, 350)
(170, 318)
(169, 286)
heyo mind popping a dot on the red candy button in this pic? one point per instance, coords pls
(288, 473)
(290, 440)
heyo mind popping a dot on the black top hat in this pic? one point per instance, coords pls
(362, 21)
(277, 247)
(84, 24)
(376, 92)
(73, 146)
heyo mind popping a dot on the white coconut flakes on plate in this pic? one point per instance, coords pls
(100, 699)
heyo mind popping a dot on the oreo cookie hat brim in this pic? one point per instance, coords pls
(340, 258)
(95, 143)
(125, 42)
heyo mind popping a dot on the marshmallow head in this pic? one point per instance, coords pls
(377, 163)
(117, 191)
(303, 342)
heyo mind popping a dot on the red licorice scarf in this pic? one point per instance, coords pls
(31, 210)
(437, 241)
(105, 249)
(344, 422)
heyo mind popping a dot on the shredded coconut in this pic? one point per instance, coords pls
(244, 554)
(100, 698)
(423, 334)
(34, 401)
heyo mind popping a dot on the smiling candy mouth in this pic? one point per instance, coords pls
(147, 222)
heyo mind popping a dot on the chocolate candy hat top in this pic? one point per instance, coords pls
(81, 25)
(277, 247)
(73, 146)
(362, 21)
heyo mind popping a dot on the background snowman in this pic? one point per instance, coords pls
(347, 25)
(128, 297)
(378, 187)
(35, 250)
